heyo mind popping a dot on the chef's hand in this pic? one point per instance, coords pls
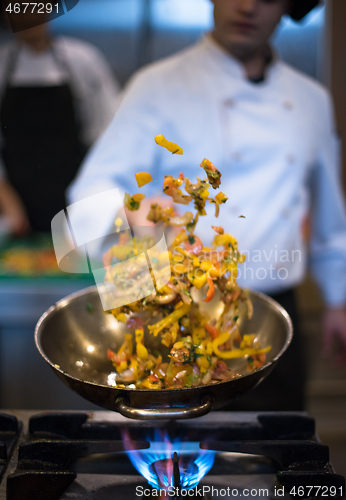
(139, 217)
(334, 332)
(11, 206)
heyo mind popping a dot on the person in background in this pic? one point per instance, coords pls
(269, 129)
(57, 95)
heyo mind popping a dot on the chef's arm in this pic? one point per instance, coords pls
(328, 245)
(127, 147)
(11, 206)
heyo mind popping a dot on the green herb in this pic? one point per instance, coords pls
(210, 173)
(89, 307)
(165, 188)
(235, 319)
(191, 240)
(187, 293)
(190, 225)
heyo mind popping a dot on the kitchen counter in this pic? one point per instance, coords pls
(25, 379)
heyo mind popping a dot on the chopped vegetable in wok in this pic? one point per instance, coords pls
(198, 344)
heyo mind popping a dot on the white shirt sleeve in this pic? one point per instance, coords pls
(121, 151)
(328, 244)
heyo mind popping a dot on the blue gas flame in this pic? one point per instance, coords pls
(197, 462)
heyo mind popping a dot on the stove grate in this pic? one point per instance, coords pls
(9, 432)
(57, 439)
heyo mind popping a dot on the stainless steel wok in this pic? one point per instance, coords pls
(73, 337)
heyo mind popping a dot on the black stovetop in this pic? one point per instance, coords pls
(76, 455)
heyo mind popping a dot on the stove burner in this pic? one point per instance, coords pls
(44, 470)
(173, 471)
(158, 465)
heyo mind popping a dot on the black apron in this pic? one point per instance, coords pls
(42, 150)
(284, 388)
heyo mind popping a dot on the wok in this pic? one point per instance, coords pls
(73, 337)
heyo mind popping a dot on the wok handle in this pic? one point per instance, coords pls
(164, 413)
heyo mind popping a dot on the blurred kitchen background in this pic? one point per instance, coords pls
(131, 33)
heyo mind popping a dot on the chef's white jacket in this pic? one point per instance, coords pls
(83, 66)
(274, 143)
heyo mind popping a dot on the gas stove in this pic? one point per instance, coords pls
(102, 455)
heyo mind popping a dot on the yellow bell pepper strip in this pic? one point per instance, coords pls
(174, 331)
(170, 146)
(127, 346)
(197, 281)
(182, 236)
(214, 176)
(133, 202)
(171, 318)
(141, 350)
(234, 353)
(203, 364)
(151, 382)
(134, 367)
(211, 290)
(198, 334)
(248, 340)
(221, 198)
(121, 317)
(143, 178)
(226, 240)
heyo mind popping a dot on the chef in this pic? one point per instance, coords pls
(269, 129)
(57, 95)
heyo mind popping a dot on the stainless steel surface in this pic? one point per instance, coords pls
(74, 342)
